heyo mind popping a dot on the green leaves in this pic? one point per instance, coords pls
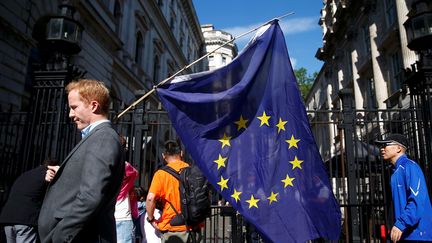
(304, 80)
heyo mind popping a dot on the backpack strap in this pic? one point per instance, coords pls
(171, 171)
(174, 173)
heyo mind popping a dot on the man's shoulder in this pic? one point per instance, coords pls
(34, 175)
(164, 173)
(409, 163)
(178, 165)
(159, 173)
(106, 129)
(409, 166)
(104, 126)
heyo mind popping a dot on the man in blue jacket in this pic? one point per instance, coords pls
(412, 207)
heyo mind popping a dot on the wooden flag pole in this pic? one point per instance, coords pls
(193, 63)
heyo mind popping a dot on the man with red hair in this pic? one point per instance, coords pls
(80, 200)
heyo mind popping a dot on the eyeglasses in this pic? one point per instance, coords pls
(388, 144)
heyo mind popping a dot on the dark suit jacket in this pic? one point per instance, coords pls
(80, 201)
(25, 198)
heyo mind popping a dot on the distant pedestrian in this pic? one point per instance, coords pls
(80, 201)
(138, 222)
(126, 209)
(412, 207)
(21, 211)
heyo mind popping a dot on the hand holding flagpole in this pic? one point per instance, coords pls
(193, 63)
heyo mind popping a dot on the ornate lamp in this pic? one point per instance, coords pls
(419, 34)
(419, 26)
(59, 33)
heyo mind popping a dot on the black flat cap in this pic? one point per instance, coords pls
(394, 137)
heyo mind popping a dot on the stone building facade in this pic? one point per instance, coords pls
(129, 44)
(364, 50)
(214, 39)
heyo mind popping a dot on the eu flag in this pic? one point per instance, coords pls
(246, 127)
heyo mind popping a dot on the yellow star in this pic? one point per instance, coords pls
(288, 181)
(241, 123)
(272, 197)
(252, 202)
(292, 142)
(296, 163)
(225, 140)
(264, 119)
(220, 161)
(236, 195)
(223, 183)
(281, 125)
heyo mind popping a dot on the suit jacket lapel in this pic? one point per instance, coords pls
(83, 140)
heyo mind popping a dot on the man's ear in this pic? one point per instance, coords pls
(94, 105)
(163, 156)
(181, 154)
(400, 149)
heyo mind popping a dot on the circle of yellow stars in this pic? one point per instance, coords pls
(288, 181)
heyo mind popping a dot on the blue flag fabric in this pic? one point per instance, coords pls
(246, 127)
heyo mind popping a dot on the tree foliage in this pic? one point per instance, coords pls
(304, 80)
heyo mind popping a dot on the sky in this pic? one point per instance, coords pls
(302, 32)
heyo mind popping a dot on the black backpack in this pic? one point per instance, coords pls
(194, 196)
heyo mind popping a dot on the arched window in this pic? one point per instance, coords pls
(171, 68)
(117, 16)
(156, 69)
(139, 47)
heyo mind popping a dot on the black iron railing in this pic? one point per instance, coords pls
(358, 176)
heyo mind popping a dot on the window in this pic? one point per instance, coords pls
(390, 12)
(396, 73)
(172, 22)
(171, 69)
(156, 69)
(366, 40)
(181, 42)
(211, 58)
(224, 60)
(139, 46)
(370, 94)
(117, 16)
(189, 53)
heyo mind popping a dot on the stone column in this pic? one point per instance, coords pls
(332, 131)
(408, 56)
(379, 82)
(358, 97)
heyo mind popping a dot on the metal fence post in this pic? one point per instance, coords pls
(419, 80)
(138, 128)
(47, 121)
(348, 128)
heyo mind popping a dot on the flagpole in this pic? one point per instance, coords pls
(194, 62)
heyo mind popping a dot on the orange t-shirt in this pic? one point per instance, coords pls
(166, 187)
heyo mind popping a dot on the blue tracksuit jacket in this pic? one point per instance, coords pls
(413, 211)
